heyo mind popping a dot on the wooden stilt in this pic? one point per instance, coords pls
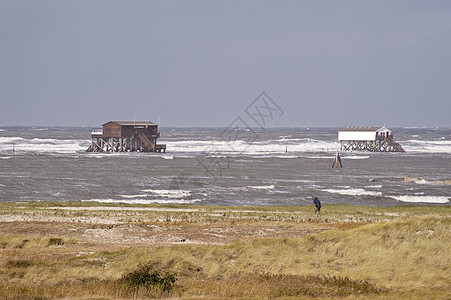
(337, 160)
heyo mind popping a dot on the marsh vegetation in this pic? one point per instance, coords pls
(87, 250)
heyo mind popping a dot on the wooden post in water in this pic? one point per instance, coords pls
(337, 160)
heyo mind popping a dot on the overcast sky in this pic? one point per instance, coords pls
(201, 63)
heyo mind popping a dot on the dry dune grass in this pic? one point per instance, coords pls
(218, 252)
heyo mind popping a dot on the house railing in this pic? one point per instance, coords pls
(97, 131)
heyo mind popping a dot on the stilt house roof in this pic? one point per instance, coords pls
(372, 129)
(132, 123)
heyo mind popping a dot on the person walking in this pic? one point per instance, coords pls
(317, 204)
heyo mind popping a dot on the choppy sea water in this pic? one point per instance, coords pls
(282, 166)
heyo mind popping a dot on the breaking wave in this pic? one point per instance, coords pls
(169, 193)
(262, 187)
(353, 192)
(39, 145)
(252, 148)
(422, 199)
(429, 146)
(188, 143)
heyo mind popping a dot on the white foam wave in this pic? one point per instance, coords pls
(422, 199)
(255, 148)
(279, 146)
(353, 192)
(97, 155)
(285, 156)
(279, 156)
(442, 146)
(285, 140)
(341, 156)
(144, 201)
(355, 157)
(7, 144)
(38, 129)
(429, 142)
(169, 193)
(5, 157)
(134, 196)
(374, 186)
(262, 187)
(10, 140)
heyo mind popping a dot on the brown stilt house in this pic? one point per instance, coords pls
(126, 136)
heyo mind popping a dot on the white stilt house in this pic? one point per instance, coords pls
(372, 139)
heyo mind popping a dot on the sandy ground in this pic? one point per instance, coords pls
(149, 226)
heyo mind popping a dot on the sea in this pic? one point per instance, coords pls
(214, 166)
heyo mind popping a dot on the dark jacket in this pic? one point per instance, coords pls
(317, 202)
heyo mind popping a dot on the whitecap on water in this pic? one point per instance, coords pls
(168, 193)
(134, 196)
(429, 146)
(255, 148)
(374, 186)
(96, 155)
(353, 192)
(262, 187)
(39, 145)
(421, 199)
(355, 157)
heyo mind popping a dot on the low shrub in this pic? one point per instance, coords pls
(147, 281)
(55, 242)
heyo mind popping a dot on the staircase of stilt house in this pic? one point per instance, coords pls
(148, 145)
(396, 146)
